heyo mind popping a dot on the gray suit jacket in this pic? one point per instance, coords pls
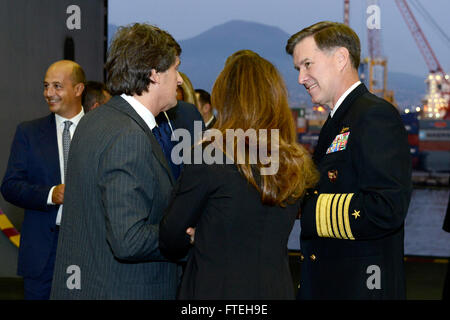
(117, 187)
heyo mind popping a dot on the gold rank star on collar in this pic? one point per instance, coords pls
(356, 214)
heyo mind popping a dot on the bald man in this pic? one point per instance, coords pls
(34, 178)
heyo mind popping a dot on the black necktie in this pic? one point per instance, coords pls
(162, 133)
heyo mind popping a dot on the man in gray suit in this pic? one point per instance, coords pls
(119, 180)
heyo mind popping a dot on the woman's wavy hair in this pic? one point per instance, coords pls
(250, 93)
(136, 50)
(187, 90)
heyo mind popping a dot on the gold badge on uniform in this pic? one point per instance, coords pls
(345, 129)
(332, 175)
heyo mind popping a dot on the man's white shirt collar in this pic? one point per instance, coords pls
(60, 120)
(209, 121)
(141, 110)
(341, 99)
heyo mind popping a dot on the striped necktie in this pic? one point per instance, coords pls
(66, 143)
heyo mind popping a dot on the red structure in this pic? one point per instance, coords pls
(427, 52)
(418, 35)
(347, 12)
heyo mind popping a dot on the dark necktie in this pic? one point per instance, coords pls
(162, 133)
(66, 143)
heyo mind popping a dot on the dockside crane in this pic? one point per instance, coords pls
(437, 101)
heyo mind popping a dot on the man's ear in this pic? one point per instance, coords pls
(342, 57)
(79, 88)
(154, 76)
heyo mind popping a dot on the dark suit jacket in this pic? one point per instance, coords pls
(354, 219)
(183, 116)
(118, 184)
(33, 169)
(240, 249)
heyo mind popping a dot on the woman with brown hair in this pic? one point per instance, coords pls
(242, 214)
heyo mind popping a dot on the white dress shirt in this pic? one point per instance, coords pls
(144, 113)
(59, 131)
(141, 110)
(344, 95)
